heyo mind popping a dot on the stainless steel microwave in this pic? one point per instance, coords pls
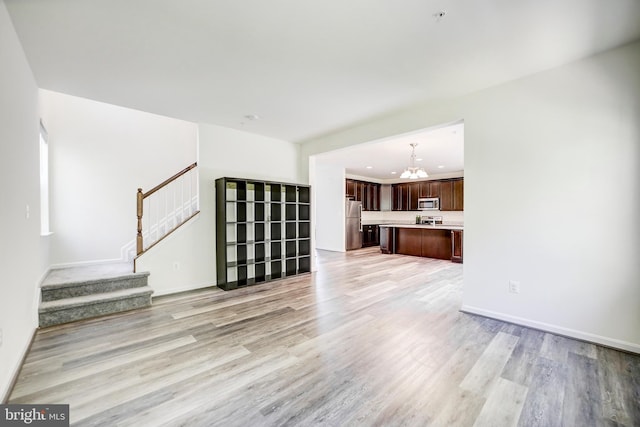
(429, 204)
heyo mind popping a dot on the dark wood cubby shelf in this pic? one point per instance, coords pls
(263, 231)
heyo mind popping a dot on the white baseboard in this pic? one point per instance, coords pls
(171, 291)
(554, 329)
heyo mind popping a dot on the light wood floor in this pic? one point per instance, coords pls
(369, 339)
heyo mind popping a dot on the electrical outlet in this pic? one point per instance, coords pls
(514, 286)
(176, 266)
(27, 212)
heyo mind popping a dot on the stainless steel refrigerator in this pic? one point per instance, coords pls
(353, 229)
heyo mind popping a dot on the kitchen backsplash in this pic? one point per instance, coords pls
(448, 217)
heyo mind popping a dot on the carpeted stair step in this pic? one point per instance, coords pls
(56, 288)
(83, 307)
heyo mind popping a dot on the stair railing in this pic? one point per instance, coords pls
(168, 206)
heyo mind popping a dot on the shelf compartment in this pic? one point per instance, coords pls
(304, 230)
(259, 252)
(304, 265)
(241, 233)
(276, 250)
(232, 255)
(259, 232)
(290, 249)
(291, 267)
(304, 213)
(291, 193)
(241, 211)
(248, 212)
(276, 269)
(232, 212)
(290, 230)
(259, 188)
(260, 272)
(276, 231)
(241, 254)
(304, 195)
(242, 275)
(275, 213)
(236, 190)
(276, 192)
(258, 214)
(290, 212)
(304, 247)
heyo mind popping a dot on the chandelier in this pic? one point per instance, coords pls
(413, 172)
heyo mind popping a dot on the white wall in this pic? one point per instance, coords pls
(23, 252)
(223, 152)
(329, 206)
(100, 155)
(552, 195)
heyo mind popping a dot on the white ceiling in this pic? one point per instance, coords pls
(305, 67)
(439, 151)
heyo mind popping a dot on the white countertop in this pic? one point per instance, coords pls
(425, 226)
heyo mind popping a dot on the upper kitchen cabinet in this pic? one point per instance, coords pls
(350, 189)
(372, 198)
(366, 192)
(458, 194)
(405, 196)
(429, 188)
(452, 194)
(400, 194)
(446, 196)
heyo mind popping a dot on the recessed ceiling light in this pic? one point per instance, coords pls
(369, 167)
(393, 173)
(252, 117)
(418, 160)
(440, 166)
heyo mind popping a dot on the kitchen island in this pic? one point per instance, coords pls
(439, 241)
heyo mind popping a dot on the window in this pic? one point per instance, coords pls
(44, 182)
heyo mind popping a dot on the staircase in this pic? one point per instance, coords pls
(77, 293)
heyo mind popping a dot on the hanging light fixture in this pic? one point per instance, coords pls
(413, 172)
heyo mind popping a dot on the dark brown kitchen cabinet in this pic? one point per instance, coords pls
(350, 190)
(429, 188)
(409, 241)
(370, 196)
(400, 197)
(456, 245)
(436, 244)
(396, 192)
(446, 196)
(360, 192)
(450, 192)
(405, 196)
(414, 191)
(370, 236)
(366, 192)
(422, 242)
(458, 194)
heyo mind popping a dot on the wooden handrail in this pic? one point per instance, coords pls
(168, 181)
(140, 196)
